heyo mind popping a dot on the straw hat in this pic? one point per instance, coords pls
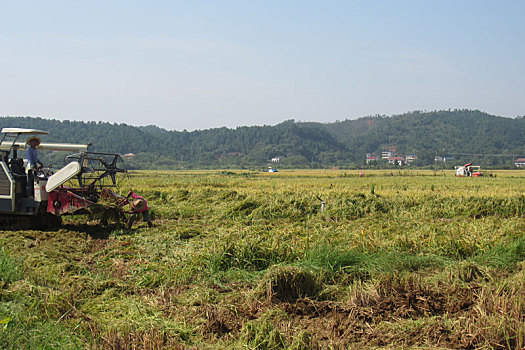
(33, 138)
(139, 204)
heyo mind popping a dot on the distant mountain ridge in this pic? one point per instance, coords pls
(342, 144)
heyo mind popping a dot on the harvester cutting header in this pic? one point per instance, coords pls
(33, 191)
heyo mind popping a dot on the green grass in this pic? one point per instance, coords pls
(352, 261)
(10, 267)
(506, 256)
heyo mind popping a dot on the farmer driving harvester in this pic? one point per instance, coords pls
(33, 162)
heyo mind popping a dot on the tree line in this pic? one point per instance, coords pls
(341, 144)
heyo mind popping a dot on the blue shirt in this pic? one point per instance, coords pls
(32, 157)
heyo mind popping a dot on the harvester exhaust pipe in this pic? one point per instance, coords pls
(69, 147)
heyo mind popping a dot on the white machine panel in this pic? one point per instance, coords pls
(40, 191)
(63, 175)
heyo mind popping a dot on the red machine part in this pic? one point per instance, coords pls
(61, 201)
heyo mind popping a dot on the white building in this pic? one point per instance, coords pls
(388, 154)
(409, 158)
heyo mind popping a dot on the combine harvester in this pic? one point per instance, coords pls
(82, 186)
(468, 170)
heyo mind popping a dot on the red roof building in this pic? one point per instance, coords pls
(520, 163)
(371, 159)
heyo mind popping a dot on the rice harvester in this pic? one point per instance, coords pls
(77, 188)
(468, 170)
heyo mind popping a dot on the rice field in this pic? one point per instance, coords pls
(303, 259)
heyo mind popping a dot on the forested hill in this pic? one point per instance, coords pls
(343, 144)
(445, 132)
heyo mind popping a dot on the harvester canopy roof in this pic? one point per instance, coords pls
(23, 131)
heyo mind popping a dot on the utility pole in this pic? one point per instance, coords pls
(435, 163)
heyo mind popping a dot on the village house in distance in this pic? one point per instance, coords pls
(520, 163)
(390, 157)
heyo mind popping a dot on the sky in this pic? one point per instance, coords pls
(206, 64)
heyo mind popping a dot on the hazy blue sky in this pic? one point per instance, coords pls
(204, 64)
